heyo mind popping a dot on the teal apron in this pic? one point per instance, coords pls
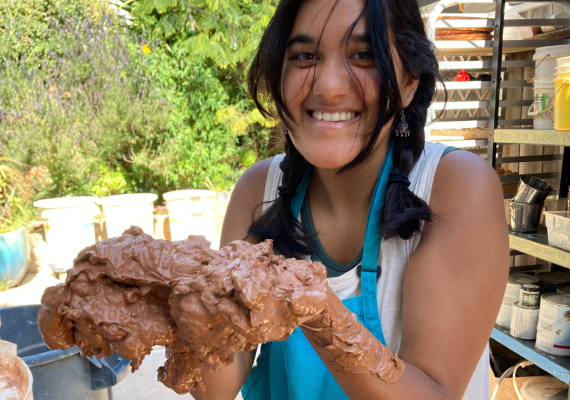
(291, 369)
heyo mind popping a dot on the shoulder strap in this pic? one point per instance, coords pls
(274, 177)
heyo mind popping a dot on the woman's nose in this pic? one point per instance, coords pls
(331, 79)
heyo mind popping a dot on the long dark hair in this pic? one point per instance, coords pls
(392, 24)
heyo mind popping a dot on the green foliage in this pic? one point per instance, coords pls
(4, 285)
(15, 205)
(90, 105)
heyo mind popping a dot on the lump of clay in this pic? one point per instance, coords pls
(127, 294)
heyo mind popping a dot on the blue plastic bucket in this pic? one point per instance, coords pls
(13, 257)
(58, 374)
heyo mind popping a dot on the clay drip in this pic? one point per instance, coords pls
(128, 294)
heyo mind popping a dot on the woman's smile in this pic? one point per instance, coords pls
(333, 119)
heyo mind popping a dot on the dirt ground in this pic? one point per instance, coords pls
(143, 385)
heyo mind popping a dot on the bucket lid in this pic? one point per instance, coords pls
(554, 51)
(520, 279)
(127, 199)
(544, 388)
(557, 298)
(188, 194)
(529, 287)
(544, 79)
(554, 277)
(563, 62)
(66, 202)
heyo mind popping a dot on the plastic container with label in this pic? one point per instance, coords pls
(542, 109)
(558, 225)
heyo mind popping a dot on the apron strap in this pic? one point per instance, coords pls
(372, 241)
(370, 255)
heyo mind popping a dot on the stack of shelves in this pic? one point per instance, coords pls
(501, 130)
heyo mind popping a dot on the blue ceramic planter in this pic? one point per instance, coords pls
(13, 257)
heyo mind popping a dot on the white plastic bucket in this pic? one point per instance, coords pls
(189, 217)
(68, 225)
(542, 109)
(545, 59)
(563, 62)
(125, 210)
(192, 194)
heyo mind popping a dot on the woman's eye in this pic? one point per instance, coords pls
(362, 55)
(306, 57)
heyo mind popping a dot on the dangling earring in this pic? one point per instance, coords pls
(403, 129)
(285, 131)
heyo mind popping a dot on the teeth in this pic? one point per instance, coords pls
(333, 117)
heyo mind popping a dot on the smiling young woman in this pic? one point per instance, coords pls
(412, 234)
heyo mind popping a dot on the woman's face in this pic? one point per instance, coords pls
(332, 110)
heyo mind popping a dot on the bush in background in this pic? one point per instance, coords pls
(93, 104)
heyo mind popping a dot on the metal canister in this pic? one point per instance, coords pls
(529, 295)
(551, 281)
(553, 332)
(511, 296)
(524, 321)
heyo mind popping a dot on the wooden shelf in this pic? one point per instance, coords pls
(485, 47)
(558, 367)
(532, 136)
(536, 244)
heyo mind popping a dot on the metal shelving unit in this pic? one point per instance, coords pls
(558, 367)
(529, 244)
(496, 129)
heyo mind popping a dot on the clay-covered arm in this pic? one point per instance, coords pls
(361, 365)
(453, 288)
(354, 348)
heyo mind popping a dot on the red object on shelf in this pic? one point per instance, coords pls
(462, 76)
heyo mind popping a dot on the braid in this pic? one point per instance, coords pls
(403, 211)
(278, 222)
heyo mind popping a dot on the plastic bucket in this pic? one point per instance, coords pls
(13, 257)
(195, 195)
(542, 109)
(562, 102)
(58, 374)
(545, 59)
(189, 217)
(68, 225)
(125, 210)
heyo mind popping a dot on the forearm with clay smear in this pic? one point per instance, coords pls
(354, 348)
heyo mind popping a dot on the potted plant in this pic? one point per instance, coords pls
(15, 213)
